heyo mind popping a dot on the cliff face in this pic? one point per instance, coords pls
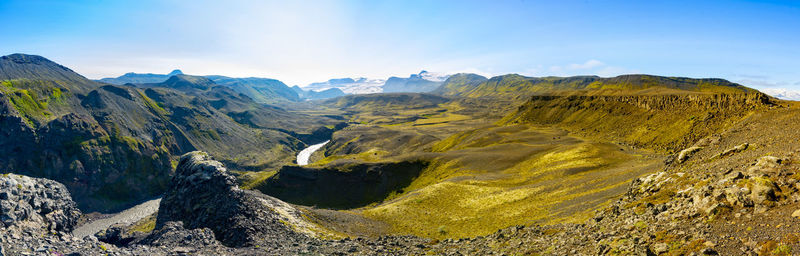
(671, 101)
(665, 122)
(355, 186)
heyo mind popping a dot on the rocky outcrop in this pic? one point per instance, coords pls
(37, 202)
(203, 195)
(37, 217)
(673, 101)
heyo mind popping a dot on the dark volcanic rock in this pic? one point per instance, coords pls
(39, 201)
(203, 195)
(174, 234)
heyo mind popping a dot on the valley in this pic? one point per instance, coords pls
(245, 165)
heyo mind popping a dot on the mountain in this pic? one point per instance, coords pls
(318, 95)
(414, 83)
(29, 68)
(262, 90)
(459, 83)
(112, 145)
(348, 85)
(432, 76)
(515, 86)
(140, 78)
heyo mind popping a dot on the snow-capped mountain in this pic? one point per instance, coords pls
(349, 85)
(782, 93)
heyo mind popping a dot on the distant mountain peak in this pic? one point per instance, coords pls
(175, 72)
(26, 59)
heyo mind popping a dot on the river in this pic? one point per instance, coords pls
(303, 156)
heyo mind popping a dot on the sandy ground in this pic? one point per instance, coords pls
(125, 217)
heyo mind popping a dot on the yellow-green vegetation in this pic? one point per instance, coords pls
(152, 105)
(521, 176)
(372, 155)
(32, 99)
(515, 86)
(251, 180)
(662, 123)
(144, 225)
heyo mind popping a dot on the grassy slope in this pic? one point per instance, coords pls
(482, 176)
(486, 173)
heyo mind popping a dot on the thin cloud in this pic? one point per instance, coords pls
(761, 83)
(592, 66)
(589, 64)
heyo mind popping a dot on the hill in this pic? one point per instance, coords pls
(262, 90)
(318, 95)
(139, 78)
(519, 87)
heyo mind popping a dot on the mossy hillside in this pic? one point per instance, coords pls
(519, 87)
(33, 99)
(662, 122)
(251, 180)
(473, 190)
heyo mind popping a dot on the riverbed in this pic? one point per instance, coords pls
(303, 156)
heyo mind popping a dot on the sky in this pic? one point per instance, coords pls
(756, 43)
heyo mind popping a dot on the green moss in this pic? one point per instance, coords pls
(155, 107)
(145, 225)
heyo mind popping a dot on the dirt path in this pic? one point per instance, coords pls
(126, 217)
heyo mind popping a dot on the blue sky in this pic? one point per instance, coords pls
(756, 43)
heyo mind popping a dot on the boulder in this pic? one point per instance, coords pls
(734, 150)
(766, 165)
(203, 195)
(763, 191)
(173, 234)
(36, 201)
(687, 153)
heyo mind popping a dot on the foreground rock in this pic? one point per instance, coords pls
(33, 202)
(203, 195)
(37, 218)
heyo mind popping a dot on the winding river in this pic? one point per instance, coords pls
(303, 156)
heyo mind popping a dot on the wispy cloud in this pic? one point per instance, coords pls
(589, 64)
(589, 67)
(765, 83)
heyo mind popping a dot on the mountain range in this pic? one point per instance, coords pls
(112, 145)
(514, 165)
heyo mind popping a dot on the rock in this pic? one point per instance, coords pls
(36, 201)
(738, 196)
(766, 165)
(203, 195)
(708, 251)
(687, 153)
(796, 213)
(763, 190)
(660, 248)
(173, 234)
(734, 150)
